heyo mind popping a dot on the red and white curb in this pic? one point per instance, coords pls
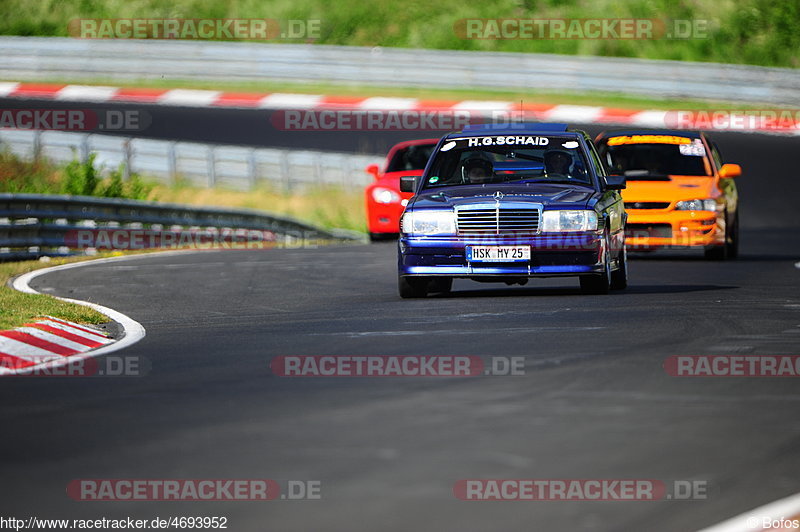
(44, 341)
(583, 114)
(776, 516)
(51, 343)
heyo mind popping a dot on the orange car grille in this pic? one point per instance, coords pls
(647, 205)
(648, 231)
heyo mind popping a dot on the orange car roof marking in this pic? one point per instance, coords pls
(648, 139)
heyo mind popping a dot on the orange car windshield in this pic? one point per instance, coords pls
(656, 159)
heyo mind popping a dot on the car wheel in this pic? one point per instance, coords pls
(719, 252)
(619, 277)
(598, 283)
(733, 245)
(412, 287)
(442, 285)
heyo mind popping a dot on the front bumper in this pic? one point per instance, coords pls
(551, 255)
(384, 217)
(674, 229)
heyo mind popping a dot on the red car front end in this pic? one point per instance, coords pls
(385, 202)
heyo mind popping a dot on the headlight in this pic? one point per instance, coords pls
(385, 195)
(697, 205)
(559, 221)
(428, 223)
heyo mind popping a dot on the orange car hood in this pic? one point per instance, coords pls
(678, 188)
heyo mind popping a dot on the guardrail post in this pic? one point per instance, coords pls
(286, 177)
(85, 147)
(128, 156)
(37, 145)
(318, 169)
(172, 162)
(348, 171)
(252, 168)
(212, 170)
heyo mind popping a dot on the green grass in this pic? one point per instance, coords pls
(328, 207)
(17, 308)
(759, 32)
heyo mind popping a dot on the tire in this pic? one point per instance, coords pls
(716, 252)
(412, 287)
(733, 245)
(619, 277)
(442, 285)
(723, 251)
(598, 284)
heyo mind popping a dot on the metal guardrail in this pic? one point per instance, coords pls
(75, 59)
(35, 225)
(204, 165)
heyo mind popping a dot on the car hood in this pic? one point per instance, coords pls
(678, 188)
(562, 196)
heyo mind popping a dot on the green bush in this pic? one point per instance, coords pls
(77, 178)
(80, 177)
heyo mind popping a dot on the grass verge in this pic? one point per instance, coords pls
(17, 308)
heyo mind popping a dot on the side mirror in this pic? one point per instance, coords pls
(373, 170)
(616, 182)
(730, 170)
(408, 183)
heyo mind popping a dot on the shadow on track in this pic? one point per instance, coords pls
(567, 291)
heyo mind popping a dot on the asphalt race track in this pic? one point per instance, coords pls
(594, 402)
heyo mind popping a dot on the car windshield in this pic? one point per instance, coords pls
(410, 158)
(659, 155)
(508, 159)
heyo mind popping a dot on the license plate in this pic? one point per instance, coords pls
(498, 253)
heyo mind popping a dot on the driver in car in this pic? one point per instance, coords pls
(557, 163)
(477, 171)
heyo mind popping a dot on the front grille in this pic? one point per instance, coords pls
(648, 231)
(498, 220)
(647, 205)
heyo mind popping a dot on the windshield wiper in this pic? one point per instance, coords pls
(554, 181)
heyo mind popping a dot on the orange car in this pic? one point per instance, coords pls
(679, 193)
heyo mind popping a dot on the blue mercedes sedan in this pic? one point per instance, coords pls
(507, 203)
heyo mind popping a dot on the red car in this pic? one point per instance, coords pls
(385, 202)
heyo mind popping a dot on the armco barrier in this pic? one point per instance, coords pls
(49, 58)
(35, 225)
